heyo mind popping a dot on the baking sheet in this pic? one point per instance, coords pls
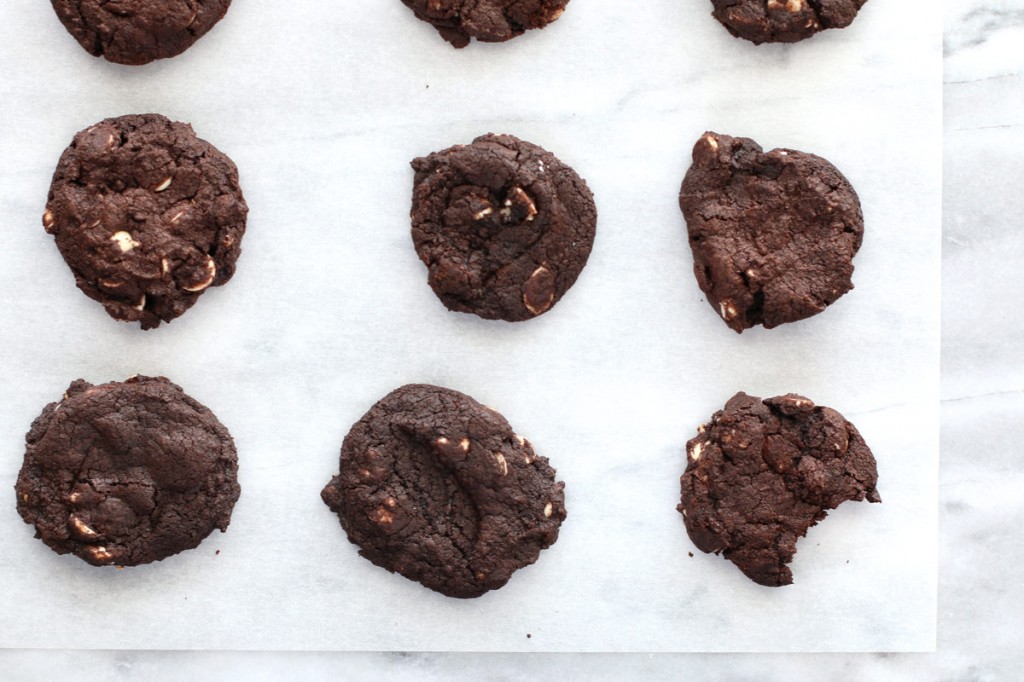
(322, 105)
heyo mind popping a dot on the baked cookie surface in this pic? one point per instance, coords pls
(138, 31)
(147, 216)
(503, 226)
(773, 235)
(762, 472)
(127, 473)
(437, 487)
(783, 21)
(490, 21)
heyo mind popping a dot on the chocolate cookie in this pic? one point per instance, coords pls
(490, 21)
(783, 21)
(773, 235)
(147, 215)
(762, 472)
(127, 473)
(503, 226)
(437, 487)
(138, 31)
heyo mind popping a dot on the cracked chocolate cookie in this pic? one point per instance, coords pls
(436, 487)
(138, 31)
(489, 21)
(503, 226)
(783, 21)
(773, 234)
(147, 216)
(762, 472)
(127, 473)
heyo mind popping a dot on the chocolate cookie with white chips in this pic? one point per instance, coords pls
(147, 216)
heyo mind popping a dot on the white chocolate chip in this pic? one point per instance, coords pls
(712, 141)
(728, 310)
(522, 197)
(211, 273)
(519, 439)
(695, 451)
(441, 442)
(464, 445)
(165, 267)
(548, 510)
(100, 554)
(163, 185)
(502, 464)
(793, 6)
(539, 291)
(795, 401)
(382, 516)
(480, 215)
(141, 305)
(124, 241)
(81, 529)
(48, 220)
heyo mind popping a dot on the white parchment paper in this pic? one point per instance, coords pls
(322, 105)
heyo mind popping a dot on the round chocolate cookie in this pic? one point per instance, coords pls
(437, 487)
(762, 472)
(138, 31)
(147, 215)
(490, 21)
(783, 21)
(127, 473)
(504, 227)
(773, 234)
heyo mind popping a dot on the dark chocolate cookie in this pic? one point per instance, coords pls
(437, 487)
(773, 234)
(783, 21)
(127, 472)
(503, 226)
(762, 472)
(138, 31)
(490, 21)
(147, 216)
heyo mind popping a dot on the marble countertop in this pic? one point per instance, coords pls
(980, 472)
